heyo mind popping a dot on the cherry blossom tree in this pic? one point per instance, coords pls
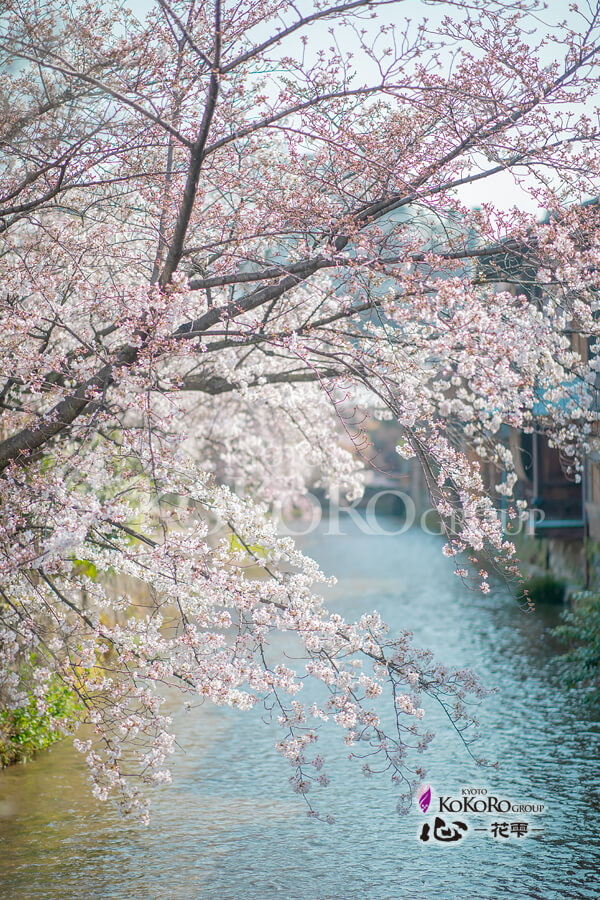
(226, 229)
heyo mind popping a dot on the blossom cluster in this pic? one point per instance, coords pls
(225, 252)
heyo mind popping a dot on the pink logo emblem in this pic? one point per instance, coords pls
(425, 798)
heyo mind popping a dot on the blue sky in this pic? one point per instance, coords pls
(502, 190)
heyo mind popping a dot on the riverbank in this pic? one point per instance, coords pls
(230, 826)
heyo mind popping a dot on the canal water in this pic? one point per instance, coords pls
(229, 827)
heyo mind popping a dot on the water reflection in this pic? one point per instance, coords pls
(228, 827)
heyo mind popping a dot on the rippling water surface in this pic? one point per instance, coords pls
(229, 827)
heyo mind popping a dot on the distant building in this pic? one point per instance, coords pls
(569, 509)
